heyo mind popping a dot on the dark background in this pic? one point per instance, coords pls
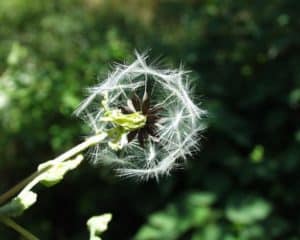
(243, 185)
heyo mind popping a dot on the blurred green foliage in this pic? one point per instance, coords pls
(243, 185)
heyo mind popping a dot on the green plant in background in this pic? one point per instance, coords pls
(245, 56)
(140, 136)
(195, 217)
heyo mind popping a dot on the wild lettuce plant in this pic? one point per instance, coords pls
(144, 123)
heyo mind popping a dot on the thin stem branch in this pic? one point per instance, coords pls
(63, 157)
(12, 224)
(81, 147)
(18, 187)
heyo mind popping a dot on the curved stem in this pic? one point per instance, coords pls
(81, 147)
(15, 189)
(12, 224)
(65, 156)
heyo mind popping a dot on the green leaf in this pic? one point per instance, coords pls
(209, 232)
(200, 199)
(257, 154)
(17, 54)
(247, 210)
(191, 211)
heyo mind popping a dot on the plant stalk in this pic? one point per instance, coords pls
(12, 224)
(91, 141)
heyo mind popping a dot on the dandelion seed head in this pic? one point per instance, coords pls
(173, 126)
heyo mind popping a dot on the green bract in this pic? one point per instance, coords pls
(97, 225)
(129, 122)
(123, 124)
(56, 173)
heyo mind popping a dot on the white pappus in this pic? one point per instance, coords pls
(173, 123)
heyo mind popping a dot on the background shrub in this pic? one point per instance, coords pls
(245, 57)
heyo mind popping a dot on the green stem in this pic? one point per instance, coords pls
(18, 187)
(65, 156)
(12, 224)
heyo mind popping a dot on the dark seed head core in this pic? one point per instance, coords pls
(150, 112)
